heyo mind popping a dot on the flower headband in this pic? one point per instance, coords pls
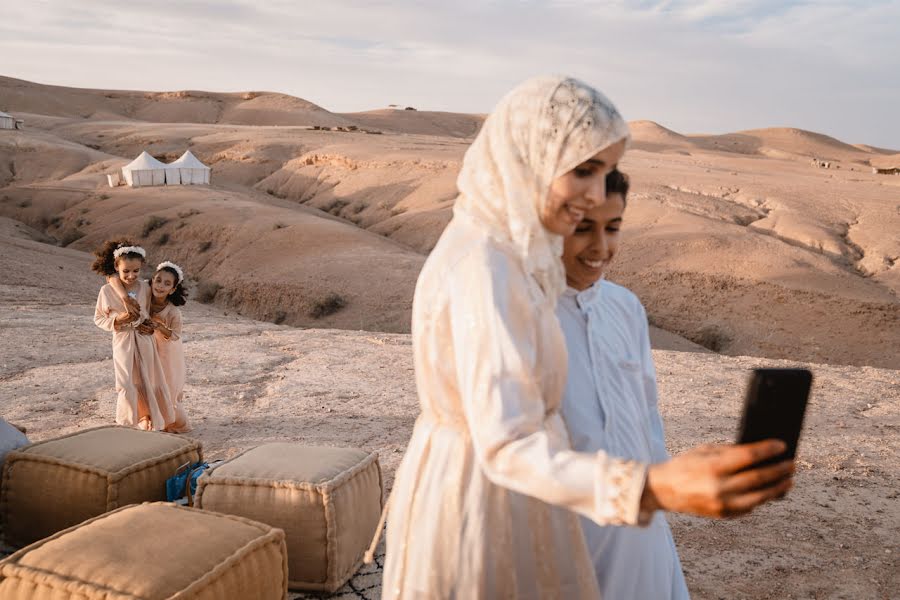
(172, 266)
(129, 250)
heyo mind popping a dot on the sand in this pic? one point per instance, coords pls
(743, 249)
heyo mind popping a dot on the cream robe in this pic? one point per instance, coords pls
(481, 504)
(610, 404)
(171, 356)
(140, 381)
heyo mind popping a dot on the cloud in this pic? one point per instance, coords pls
(695, 66)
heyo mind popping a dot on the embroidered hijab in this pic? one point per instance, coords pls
(543, 128)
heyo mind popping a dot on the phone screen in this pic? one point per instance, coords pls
(775, 407)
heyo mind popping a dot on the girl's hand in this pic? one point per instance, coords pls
(718, 481)
(134, 309)
(146, 328)
(122, 321)
(161, 327)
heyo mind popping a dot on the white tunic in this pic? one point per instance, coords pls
(610, 404)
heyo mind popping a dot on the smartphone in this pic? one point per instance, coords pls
(774, 408)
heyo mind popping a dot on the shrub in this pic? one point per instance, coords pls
(56, 221)
(711, 337)
(207, 291)
(163, 239)
(188, 213)
(104, 196)
(279, 226)
(335, 206)
(327, 306)
(152, 224)
(204, 246)
(280, 317)
(24, 203)
(71, 236)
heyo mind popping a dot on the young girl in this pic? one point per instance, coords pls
(168, 293)
(143, 396)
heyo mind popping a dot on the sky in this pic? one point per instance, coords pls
(707, 66)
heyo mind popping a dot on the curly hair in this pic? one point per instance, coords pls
(178, 297)
(105, 263)
(617, 183)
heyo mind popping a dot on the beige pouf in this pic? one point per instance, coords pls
(52, 485)
(151, 552)
(327, 501)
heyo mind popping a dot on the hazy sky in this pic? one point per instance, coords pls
(708, 66)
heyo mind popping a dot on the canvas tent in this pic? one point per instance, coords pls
(187, 170)
(7, 121)
(144, 170)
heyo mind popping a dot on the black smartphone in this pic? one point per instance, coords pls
(774, 408)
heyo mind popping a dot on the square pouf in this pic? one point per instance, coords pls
(52, 485)
(327, 501)
(152, 552)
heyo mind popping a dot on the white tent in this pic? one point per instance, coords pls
(187, 170)
(144, 170)
(7, 121)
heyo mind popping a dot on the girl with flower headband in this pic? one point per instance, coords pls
(143, 395)
(167, 294)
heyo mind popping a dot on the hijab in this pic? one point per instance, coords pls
(540, 130)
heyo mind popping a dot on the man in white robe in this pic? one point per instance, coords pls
(610, 401)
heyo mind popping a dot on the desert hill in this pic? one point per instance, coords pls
(253, 108)
(245, 108)
(252, 382)
(419, 122)
(738, 242)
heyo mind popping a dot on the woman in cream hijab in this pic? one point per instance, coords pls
(482, 502)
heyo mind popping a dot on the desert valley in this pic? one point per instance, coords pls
(764, 247)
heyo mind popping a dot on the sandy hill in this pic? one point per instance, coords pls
(653, 137)
(239, 108)
(777, 142)
(804, 143)
(737, 242)
(189, 106)
(252, 382)
(420, 122)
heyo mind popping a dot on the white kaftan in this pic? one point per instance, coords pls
(171, 356)
(610, 405)
(481, 502)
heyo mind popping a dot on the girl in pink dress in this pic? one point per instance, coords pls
(143, 395)
(167, 294)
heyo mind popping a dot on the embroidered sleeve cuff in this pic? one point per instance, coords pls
(619, 486)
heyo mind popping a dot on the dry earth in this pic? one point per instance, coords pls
(836, 536)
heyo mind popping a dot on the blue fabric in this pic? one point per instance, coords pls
(176, 486)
